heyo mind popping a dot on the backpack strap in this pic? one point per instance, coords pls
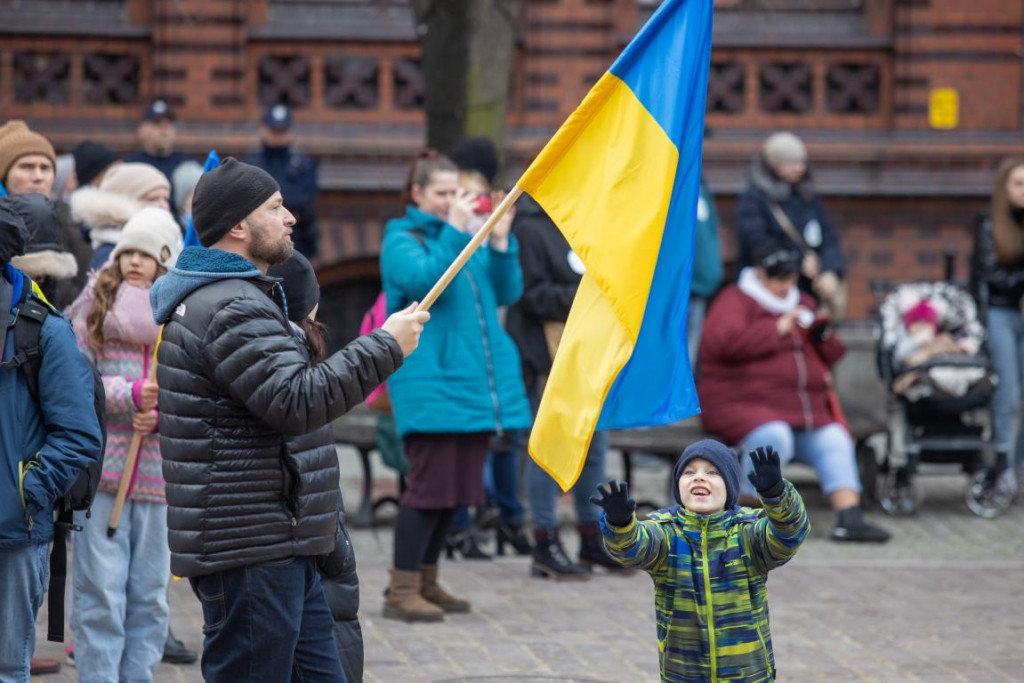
(58, 575)
(28, 327)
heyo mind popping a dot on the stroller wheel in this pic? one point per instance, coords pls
(989, 493)
(898, 495)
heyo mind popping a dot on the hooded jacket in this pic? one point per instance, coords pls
(249, 478)
(44, 256)
(44, 444)
(710, 574)
(755, 223)
(465, 376)
(103, 215)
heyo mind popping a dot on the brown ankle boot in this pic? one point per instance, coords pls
(437, 595)
(403, 601)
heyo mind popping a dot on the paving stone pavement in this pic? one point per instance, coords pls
(941, 602)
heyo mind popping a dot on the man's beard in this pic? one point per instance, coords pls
(261, 249)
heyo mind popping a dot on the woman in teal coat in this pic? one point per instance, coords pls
(462, 385)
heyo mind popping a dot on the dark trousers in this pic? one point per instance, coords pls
(267, 622)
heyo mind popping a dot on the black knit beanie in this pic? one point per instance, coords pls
(301, 290)
(226, 195)
(91, 159)
(13, 232)
(719, 455)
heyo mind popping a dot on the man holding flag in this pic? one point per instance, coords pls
(249, 508)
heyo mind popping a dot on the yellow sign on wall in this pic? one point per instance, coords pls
(944, 108)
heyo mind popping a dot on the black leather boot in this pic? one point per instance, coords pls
(550, 560)
(592, 549)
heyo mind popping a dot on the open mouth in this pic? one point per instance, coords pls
(700, 491)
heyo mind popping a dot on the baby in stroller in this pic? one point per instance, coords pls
(931, 356)
(938, 354)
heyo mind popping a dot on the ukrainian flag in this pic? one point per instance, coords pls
(620, 179)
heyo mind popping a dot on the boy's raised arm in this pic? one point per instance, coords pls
(633, 544)
(776, 537)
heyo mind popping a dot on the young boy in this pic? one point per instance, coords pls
(709, 560)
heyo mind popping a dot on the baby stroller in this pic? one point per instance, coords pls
(939, 407)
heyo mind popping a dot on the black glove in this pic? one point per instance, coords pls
(767, 474)
(618, 506)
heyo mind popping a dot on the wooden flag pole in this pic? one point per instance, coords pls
(129, 465)
(469, 249)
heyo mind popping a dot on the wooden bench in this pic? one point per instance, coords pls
(861, 393)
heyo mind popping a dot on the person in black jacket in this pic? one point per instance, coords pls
(252, 493)
(997, 278)
(551, 274)
(781, 204)
(337, 570)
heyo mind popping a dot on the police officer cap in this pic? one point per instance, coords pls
(158, 111)
(278, 116)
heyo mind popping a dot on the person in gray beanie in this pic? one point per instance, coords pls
(782, 203)
(708, 546)
(252, 487)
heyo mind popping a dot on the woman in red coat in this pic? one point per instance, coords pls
(765, 380)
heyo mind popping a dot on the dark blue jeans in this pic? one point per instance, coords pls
(501, 479)
(267, 622)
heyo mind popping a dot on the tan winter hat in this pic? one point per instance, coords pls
(133, 180)
(152, 231)
(17, 140)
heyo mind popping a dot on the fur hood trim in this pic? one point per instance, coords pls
(99, 209)
(58, 265)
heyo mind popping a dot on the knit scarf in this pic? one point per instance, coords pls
(752, 287)
(129, 320)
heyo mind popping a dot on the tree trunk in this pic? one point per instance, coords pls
(495, 24)
(443, 27)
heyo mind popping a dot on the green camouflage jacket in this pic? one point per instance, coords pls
(709, 576)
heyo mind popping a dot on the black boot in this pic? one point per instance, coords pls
(512, 533)
(175, 651)
(592, 550)
(851, 526)
(464, 542)
(550, 560)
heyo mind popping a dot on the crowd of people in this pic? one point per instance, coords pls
(213, 450)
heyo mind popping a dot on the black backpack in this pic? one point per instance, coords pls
(29, 316)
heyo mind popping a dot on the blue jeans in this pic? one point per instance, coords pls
(119, 591)
(267, 622)
(829, 450)
(1006, 347)
(542, 491)
(501, 478)
(24, 577)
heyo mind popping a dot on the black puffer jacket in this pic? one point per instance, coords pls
(1004, 282)
(755, 222)
(341, 588)
(249, 479)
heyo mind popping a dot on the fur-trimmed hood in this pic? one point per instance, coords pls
(777, 189)
(57, 265)
(103, 213)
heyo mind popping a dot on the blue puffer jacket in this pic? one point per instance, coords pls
(44, 445)
(465, 376)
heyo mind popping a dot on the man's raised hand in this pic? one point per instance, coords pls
(405, 326)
